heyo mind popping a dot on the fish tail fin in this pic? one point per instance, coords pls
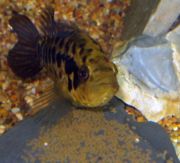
(23, 58)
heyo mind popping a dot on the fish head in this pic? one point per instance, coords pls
(96, 82)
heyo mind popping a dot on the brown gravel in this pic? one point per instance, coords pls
(86, 136)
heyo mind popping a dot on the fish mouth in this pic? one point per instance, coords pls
(113, 86)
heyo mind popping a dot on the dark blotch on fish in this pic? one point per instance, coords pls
(70, 66)
(69, 84)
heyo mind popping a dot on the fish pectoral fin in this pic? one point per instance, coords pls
(42, 101)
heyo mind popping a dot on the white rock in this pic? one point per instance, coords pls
(165, 15)
(149, 76)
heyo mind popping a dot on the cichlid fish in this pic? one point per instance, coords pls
(75, 62)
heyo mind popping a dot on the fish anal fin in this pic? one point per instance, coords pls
(41, 101)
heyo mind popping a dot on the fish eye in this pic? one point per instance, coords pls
(83, 73)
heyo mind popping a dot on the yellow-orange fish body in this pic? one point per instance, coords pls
(77, 64)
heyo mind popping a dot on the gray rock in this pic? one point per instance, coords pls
(163, 18)
(15, 141)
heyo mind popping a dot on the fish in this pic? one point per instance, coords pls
(80, 69)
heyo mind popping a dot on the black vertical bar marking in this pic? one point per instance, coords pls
(58, 59)
(70, 65)
(89, 50)
(81, 51)
(69, 84)
(53, 55)
(76, 80)
(48, 55)
(61, 43)
(84, 59)
(74, 48)
(56, 40)
(67, 45)
(81, 46)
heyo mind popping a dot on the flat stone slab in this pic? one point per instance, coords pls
(61, 133)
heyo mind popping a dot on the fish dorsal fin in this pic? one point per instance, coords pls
(49, 27)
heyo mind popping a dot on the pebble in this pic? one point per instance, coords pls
(2, 129)
(33, 91)
(19, 116)
(29, 100)
(137, 140)
(15, 110)
(45, 144)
